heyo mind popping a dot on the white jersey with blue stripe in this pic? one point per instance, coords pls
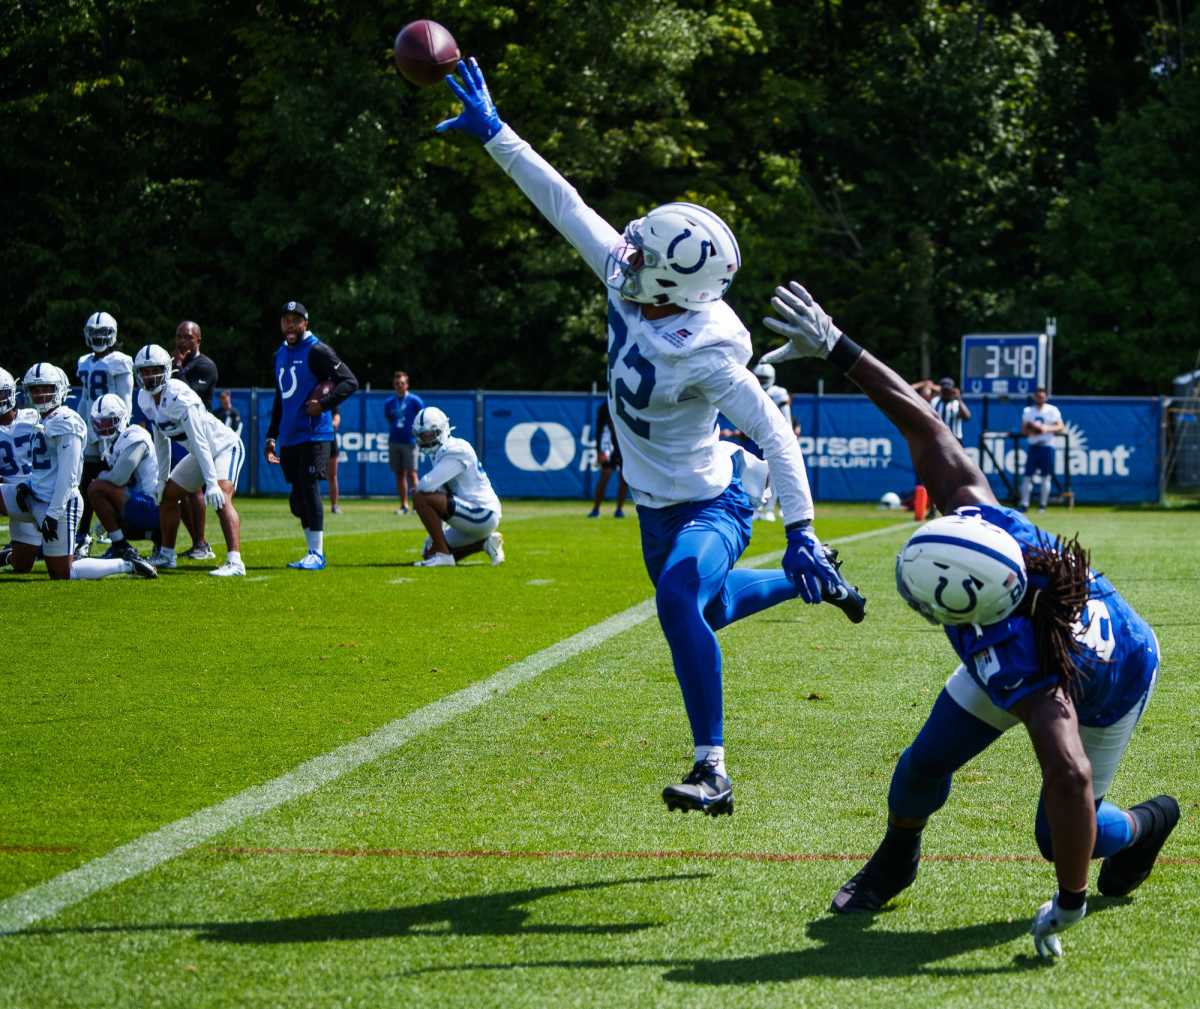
(16, 443)
(171, 413)
(98, 376)
(48, 452)
(135, 440)
(669, 378)
(1118, 651)
(456, 469)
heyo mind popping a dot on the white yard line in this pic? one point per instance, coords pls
(150, 850)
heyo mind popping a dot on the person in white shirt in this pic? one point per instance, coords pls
(214, 459)
(454, 500)
(122, 494)
(677, 357)
(947, 402)
(1040, 422)
(44, 508)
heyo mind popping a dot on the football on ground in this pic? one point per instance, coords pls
(425, 52)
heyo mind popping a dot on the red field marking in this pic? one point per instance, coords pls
(36, 849)
(616, 856)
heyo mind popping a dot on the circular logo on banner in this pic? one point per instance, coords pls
(539, 446)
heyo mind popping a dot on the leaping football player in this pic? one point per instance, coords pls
(123, 492)
(454, 500)
(1042, 639)
(677, 356)
(44, 509)
(103, 371)
(214, 459)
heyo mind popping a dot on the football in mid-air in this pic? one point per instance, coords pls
(425, 52)
(320, 391)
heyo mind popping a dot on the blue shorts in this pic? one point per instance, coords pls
(140, 514)
(1039, 459)
(728, 516)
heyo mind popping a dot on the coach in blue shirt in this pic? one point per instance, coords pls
(402, 446)
(301, 436)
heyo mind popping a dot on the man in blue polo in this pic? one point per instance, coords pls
(400, 411)
(301, 436)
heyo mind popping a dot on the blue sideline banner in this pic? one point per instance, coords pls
(539, 445)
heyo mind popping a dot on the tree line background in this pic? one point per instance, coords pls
(926, 168)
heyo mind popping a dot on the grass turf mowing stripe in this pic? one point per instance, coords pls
(151, 850)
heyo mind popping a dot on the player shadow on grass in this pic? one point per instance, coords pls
(850, 950)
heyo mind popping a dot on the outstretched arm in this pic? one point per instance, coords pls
(942, 465)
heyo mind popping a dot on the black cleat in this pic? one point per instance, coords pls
(142, 568)
(843, 595)
(1125, 871)
(703, 790)
(6, 553)
(872, 887)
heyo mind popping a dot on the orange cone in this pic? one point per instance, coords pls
(920, 503)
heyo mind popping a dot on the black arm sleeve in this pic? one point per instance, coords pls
(324, 363)
(276, 415)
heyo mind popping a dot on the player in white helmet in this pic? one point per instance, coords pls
(677, 357)
(123, 492)
(454, 500)
(214, 459)
(103, 370)
(17, 427)
(1042, 639)
(45, 506)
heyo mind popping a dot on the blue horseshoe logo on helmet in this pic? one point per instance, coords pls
(705, 248)
(969, 584)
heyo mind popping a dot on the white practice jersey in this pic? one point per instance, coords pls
(1049, 415)
(456, 469)
(131, 461)
(782, 399)
(668, 379)
(16, 443)
(180, 415)
(100, 375)
(56, 458)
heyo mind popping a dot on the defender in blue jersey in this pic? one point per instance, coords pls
(1042, 639)
(301, 437)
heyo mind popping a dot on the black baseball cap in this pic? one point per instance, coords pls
(293, 306)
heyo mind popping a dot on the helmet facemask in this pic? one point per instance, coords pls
(100, 332)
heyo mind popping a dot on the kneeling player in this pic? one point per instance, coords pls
(122, 494)
(454, 500)
(45, 509)
(1042, 639)
(214, 458)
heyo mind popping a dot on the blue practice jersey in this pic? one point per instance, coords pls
(1117, 660)
(294, 380)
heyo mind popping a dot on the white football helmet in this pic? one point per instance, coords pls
(890, 500)
(961, 569)
(152, 366)
(100, 331)
(8, 392)
(110, 416)
(46, 387)
(765, 373)
(431, 427)
(678, 254)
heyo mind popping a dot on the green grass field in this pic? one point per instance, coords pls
(510, 848)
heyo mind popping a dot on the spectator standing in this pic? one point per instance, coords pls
(400, 411)
(947, 402)
(1040, 422)
(301, 437)
(608, 456)
(199, 373)
(227, 414)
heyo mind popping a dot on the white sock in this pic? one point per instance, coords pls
(116, 536)
(1026, 490)
(712, 755)
(316, 540)
(89, 569)
(1045, 491)
(233, 557)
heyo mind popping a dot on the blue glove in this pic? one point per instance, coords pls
(479, 116)
(806, 564)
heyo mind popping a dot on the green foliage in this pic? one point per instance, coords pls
(212, 159)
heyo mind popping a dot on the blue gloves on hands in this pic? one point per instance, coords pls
(806, 565)
(479, 116)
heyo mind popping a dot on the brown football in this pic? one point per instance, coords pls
(425, 52)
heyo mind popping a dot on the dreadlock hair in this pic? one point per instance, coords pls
(1058, 591)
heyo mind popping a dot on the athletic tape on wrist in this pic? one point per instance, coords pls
(845, 353)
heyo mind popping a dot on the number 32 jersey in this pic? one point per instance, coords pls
(668, 379)
(1118, 651)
